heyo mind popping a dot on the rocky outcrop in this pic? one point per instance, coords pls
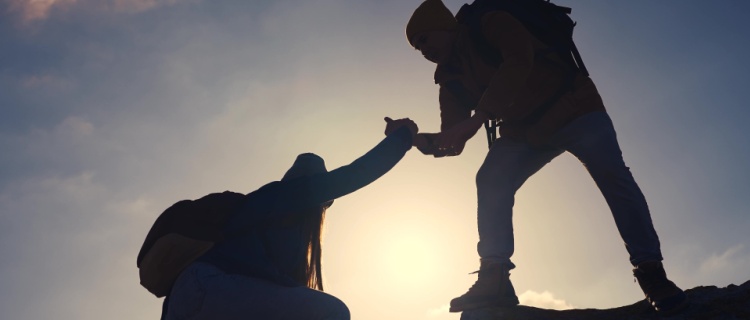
(706, 303)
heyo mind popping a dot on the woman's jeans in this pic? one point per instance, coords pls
(203, 291)
(592, 139)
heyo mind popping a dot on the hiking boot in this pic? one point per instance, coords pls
(492, 289)
(662, 294)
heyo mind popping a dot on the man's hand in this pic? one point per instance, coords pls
(455, 138)
(393, 125)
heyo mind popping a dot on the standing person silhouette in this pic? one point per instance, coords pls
(511, 92)
(273, 270)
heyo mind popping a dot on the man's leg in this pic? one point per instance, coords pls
(507, 166)
(592, 140)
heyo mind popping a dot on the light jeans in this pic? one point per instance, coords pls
(592, 139)
(204, 292)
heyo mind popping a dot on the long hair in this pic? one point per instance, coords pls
(310, 273)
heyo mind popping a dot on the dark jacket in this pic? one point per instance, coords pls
(268, 249)
(512, 91)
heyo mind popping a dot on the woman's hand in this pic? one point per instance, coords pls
(393, 125)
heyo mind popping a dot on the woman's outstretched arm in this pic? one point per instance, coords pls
(318, 189)
(278, 200)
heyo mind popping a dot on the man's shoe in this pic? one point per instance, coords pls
(662, 294)
(492, 289)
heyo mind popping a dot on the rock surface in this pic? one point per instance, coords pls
(706, 303)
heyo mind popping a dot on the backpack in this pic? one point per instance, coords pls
(180, 235)
(549, 23)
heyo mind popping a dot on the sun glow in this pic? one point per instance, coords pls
(409, 257)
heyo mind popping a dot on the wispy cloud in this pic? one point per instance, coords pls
(437, 312)
(71, 132)
(86, 229)
(545, 300)
(141, 5)
(75, 126)
(33, 10)
(37, 10)
(729, 258)
(44, 81)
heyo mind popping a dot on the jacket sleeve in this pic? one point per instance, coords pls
(511, 38)
(279, 200)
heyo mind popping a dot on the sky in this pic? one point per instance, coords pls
(112, 110)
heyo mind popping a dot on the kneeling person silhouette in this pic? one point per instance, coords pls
(272, 270)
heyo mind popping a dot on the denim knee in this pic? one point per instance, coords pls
(493, 177)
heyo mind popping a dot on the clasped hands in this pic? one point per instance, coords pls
(450, 142)
(393, 125)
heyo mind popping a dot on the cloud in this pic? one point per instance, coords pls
(730, 258)
(72, 131)
(133, 6)
(442, 310)
(37, 10)
(76, 125)
(42, 81)
(544, 300)
(32, 10)
(71, 236)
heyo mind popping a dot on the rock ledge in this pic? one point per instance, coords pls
(706, 303)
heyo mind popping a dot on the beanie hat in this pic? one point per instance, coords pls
(431, 15)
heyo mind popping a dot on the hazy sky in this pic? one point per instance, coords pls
(111, 110)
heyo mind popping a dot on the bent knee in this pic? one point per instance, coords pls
(490, 177)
